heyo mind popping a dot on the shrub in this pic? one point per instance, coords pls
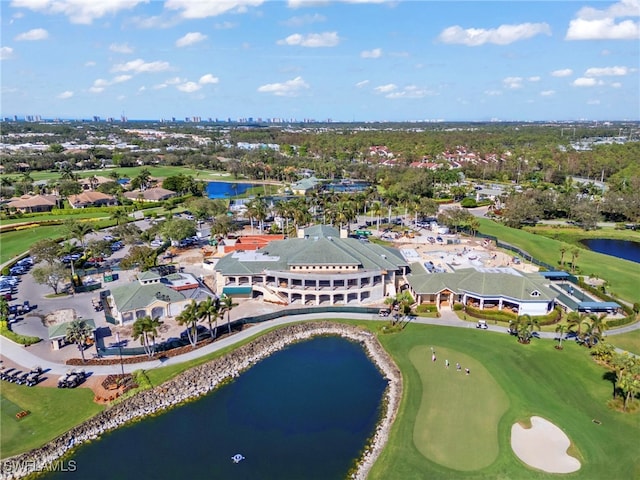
(6, 271)
(457, 307)
(21, 339)
(426, 308)
(468, 202)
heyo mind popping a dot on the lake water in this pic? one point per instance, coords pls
(227, 189)
(625, 249)
(302, 413)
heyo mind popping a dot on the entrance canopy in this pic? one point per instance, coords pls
(597, 306)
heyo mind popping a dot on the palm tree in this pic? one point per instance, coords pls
(524, 326)
(79, 332)
(68, 248)
(146, 329)
(563, 250)
(561, 330)
(209, 309)
(119, 215)
(226, 305)
(189, 317)
(78, 230)
(575, 253)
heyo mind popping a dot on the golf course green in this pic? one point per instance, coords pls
(469, 419)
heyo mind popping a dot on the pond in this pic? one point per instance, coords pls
(625, 249)
(304, 412)
(227, 189)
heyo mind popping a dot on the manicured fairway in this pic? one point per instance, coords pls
(622, 275)
(457, 421)
(629, 342)
(566, 387)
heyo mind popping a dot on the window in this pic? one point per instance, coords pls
(535, 293)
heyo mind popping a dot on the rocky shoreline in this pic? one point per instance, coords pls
(201, 380)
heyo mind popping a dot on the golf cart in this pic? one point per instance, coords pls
(482, 324)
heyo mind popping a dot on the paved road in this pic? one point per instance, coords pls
(26, 358)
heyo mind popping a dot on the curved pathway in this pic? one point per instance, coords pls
(24, 357)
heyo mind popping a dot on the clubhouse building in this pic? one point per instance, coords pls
(483, 288)
(322, 266)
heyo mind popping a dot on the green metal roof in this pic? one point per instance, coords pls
(60, 330)
(321, 246)
(518, 286)
(134, 295)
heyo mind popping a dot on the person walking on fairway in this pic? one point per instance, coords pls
(446, 363)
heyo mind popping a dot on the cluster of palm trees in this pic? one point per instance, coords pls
(625, 373)
(523, 327)
(146, 330)
(210, 310)
(588, 327)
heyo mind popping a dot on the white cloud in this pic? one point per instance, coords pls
(304, 20)
(594, 24)
(140, 66)
(584, 82)
(6, 53)
(616, 85)
(362, 83)
(389, 87)
(547, 93)
(120, 48)
(204, 9)
(208, 79)
(410, 91)
(190, 38)
(175, 81)
(121, 78)
(607, 72)
(319, 3)
(225, 26)
(78, 11)
(565, 72)
(35, 34)
(290, 88)
(313, 40)
(375, 53)
(100, 84)
(189, 87)
(534, 79)
(503, 35)
(595, 101)
(65, 95)
(493, 93)
(512, 82)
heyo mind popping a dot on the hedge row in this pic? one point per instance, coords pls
(618, 322)
(21, 339)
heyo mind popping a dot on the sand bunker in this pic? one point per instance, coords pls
(543, 446)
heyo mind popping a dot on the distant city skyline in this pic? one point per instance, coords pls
(300, 60)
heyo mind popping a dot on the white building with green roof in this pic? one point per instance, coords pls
(153, 295)
(322, 266)
(484, 288)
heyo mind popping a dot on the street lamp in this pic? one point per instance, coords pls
(120, 350)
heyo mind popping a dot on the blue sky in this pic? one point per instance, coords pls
(349, 60)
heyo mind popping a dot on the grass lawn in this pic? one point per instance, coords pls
(444, 410)
(18, 242)
(49, 217)
(629, 342)
(52, 412)
(131, 172)
(622, 275)
(566, 387)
